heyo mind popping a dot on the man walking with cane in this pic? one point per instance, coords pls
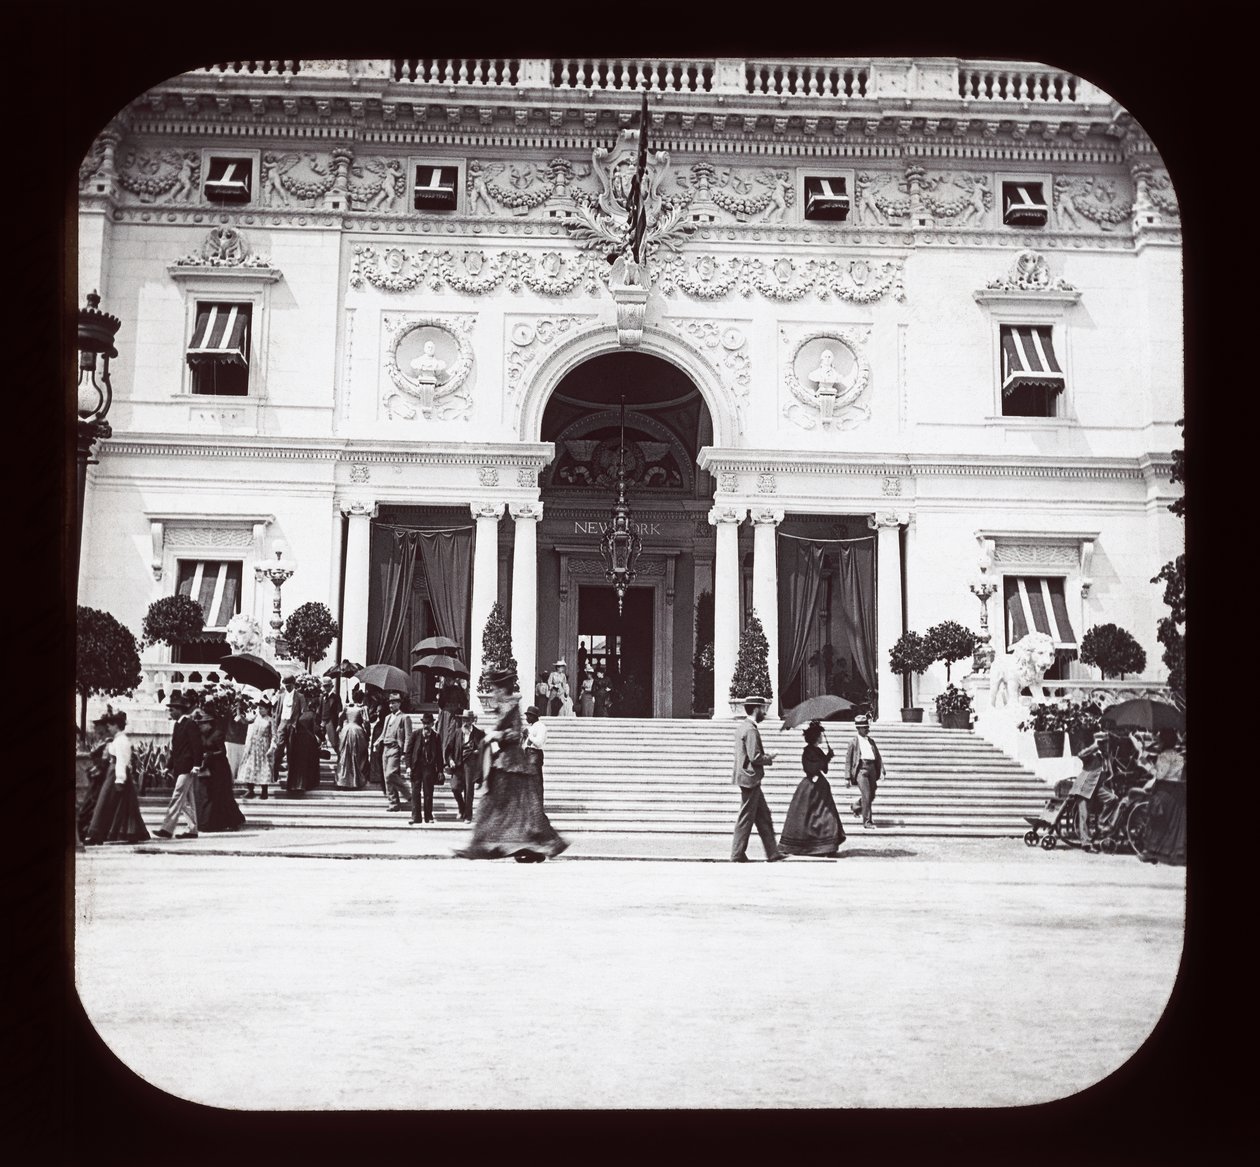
(864, 766)
(751, 761)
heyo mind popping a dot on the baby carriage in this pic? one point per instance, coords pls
(1051, 819)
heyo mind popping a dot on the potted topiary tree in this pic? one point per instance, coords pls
(1046, 720)
(953, 708)
(752, 668)
(308, 631)
(172, 620)
(702, 661)
(496, 649)
(910, 656)
(1113, 650)
(949, 641)
(107, 661)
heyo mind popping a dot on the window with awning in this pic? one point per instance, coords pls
(1023, 204)
(1031, 374)
(218, 352)
(216, 585)
(826, 198)
(435, 188)
(228, 180)
(1037, 604)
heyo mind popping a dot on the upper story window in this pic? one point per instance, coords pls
(435, 188)
(228, 178)
(218, 353)
(827, 198)
(216, 585)
(1032, 379)
(1024, 204)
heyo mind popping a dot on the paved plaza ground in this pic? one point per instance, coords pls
(303, 970)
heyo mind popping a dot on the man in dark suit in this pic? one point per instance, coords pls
(330, 715)
(290, 705)
(424, 767)
(864, 766)
(185, 764)
(465, 771)
(751, 761)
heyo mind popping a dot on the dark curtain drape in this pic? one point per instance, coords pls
(447, 558)
(396, 574)
(800, 578)
(853, 607)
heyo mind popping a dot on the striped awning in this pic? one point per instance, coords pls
(826, 198)
(1023, 204)
(227, 180)
(1028, 358)
(215, 584)
(222, 334)
(435, 188)
(1037, 604)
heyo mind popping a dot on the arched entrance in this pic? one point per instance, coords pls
(646, 649)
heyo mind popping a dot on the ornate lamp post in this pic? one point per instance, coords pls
(620, 543)
(95, 393)
(278, 572)
(982, 587)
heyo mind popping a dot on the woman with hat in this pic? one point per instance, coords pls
(352, 762)
(98, 768)
(586, 694)
(116, 818)
(256, 764)
(511, 820)
(217, 809)
(558, 688)
(812, 826)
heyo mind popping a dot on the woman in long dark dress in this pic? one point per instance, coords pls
(510, 818)
(352, 762)
(812, 826)
(116, 818)
(217, 809)
(98, 770)
(1166, 819)
(304, 754)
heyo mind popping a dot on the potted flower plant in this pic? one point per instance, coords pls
(1047, 725)
(910, 655)
(1080, 719)
(953, 708)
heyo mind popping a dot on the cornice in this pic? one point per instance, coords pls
(848, 463)
(529, 455)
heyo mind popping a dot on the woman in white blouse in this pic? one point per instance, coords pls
(116, 818)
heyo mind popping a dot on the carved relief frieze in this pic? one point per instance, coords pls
(359, 472)
(858, 281)
(224, 247)
(724, 345)
(958, 200)
(728, 483)
(377, 184)
(427, 360)
(292, 178)
(529, 340)
(152, 175)
(1024, 553)
(1030, 272)
(589, 453)
(1085, 202)
(225, 536)
(474, 271)
(826, 371)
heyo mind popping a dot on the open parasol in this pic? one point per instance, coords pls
(250, 670)
(814, 709)
(1145, 713)
(441, 663)
(387, 677)
(436, 644)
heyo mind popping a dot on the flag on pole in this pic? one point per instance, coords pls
(636, 210)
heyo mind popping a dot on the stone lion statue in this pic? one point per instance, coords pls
(1024, 665)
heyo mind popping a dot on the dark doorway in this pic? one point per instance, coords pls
(620, 644)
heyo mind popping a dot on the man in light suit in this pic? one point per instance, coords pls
(395, 738)
(864, 766)
(751, 761)
(185, 765)
(290, 705)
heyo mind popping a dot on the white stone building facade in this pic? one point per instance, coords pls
(280, 240)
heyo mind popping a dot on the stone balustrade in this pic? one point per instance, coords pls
(1103, 693)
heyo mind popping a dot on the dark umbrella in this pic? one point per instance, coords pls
(387, 677)
(1145, 713)
(436, 644)
(814, 709)
(250, 670)
(439, 663)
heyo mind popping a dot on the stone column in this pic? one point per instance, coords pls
(888, 613)
(526, 515)
(766, 586)
(484, 587)
(726, 520)
(354, 632)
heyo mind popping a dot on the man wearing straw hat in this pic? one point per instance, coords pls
(751, 761)
(864, 766)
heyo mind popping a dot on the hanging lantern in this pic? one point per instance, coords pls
(620, 544)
